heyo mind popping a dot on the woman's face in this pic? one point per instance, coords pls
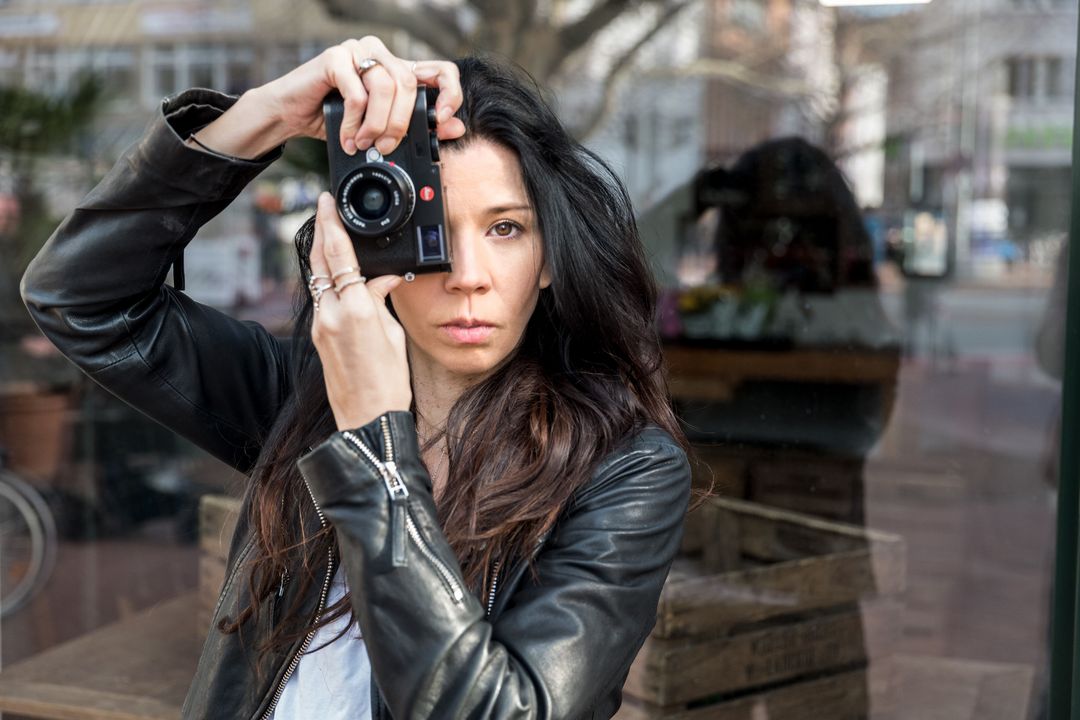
(498, 259)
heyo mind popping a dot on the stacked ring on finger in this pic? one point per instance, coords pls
(343, 271)
(317, 293)
(314, 280)
(347, 283)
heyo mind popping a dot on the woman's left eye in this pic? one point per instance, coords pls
(506, 228)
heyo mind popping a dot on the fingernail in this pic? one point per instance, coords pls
(445, 113)
(364, 144)
(385, 145)
(349, 146)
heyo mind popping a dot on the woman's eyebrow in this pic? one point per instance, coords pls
(499, 209)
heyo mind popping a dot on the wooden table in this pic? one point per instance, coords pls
(702, 373)
(135, 669)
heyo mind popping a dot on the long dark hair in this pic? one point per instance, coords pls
(586, 374)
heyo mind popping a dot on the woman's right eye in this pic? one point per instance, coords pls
(507, 228)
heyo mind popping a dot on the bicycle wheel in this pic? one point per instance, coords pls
(27, 542)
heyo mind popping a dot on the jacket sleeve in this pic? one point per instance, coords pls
(567, 636)
(97, 290)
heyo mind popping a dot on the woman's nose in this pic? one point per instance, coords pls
(471, 271)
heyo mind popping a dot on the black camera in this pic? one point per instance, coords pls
(392, 206)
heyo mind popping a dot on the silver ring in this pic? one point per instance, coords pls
(344, 271)
(313, 279)
(366, 64)
(347, 283)
(413, 68)
(317, 292)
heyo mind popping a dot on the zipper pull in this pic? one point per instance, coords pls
(398, 530)
(399, 497)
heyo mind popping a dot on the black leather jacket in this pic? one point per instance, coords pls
(557, 645)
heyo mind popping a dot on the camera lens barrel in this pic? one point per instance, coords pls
(376, 199)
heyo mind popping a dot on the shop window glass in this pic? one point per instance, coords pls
(856, 215)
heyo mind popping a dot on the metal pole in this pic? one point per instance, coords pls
(1063, 666)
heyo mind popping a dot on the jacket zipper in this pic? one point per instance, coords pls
(402, 523)
(498, 566)
(284, 572)
(494, 584)
(318, 613)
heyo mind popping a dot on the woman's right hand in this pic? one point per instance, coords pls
(378, 104)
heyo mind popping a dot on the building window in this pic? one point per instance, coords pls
(10, 67)
(238, 70)
(1039, 78)
(43, 72)
(116, 69)
(202, 63)
(164, 78)
(1021, 77)
(1056, 78)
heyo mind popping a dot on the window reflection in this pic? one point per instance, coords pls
(858, 220)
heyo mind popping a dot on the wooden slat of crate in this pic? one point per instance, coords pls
(774, 535)
(673, 672)
(843, 696)
(829, 486)
(716, 603)
(211, 578)
(217, 519)
(721, 466)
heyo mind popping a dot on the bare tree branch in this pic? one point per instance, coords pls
(485, 7)
(436, 27)
(735, 71)
(574, 36)
(604, 106)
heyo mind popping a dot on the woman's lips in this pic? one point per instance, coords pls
(468, 335)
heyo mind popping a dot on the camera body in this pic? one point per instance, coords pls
(392, 206)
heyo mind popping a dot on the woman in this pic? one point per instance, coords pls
(495, 508)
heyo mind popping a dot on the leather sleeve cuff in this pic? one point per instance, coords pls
(336, 471)
(210, 176)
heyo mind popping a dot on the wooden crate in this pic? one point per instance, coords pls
(844, 695)
(828, 485)
(217, 519)
(723, 467)
(768, 598)
(822, 484)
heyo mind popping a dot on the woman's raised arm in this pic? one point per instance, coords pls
(97, 288)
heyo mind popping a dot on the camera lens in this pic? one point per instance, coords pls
(376, 199)
(371, 201)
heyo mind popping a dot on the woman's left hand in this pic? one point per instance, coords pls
(360, 344)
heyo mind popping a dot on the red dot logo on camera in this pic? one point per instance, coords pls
(427, 193)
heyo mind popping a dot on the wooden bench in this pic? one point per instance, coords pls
(136, 669)
(139, 668)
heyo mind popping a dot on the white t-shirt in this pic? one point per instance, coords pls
(334, 682)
